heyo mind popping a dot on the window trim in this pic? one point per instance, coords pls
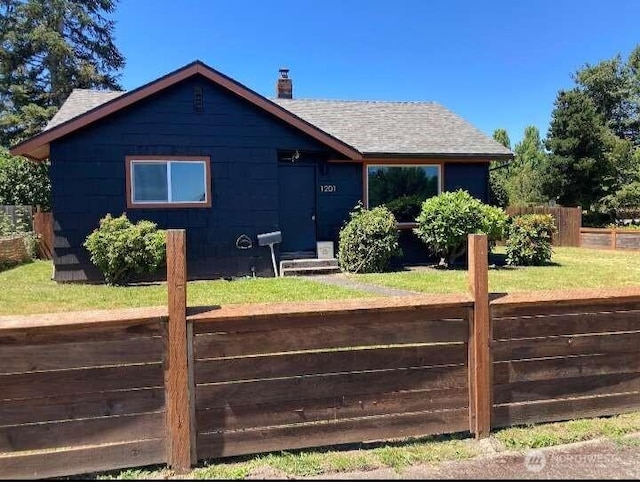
(390, 163)
(131, 160)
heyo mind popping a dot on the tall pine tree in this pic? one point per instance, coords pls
(579, 172)
(50, 47)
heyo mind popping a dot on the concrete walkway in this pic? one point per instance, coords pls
(342, 281)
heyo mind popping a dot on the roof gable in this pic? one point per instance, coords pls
(37, 147)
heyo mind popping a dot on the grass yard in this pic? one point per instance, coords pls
(573, 268)
(28, 289)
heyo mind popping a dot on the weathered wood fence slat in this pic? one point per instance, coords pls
(610, 238)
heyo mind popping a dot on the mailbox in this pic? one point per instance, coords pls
(269, 238)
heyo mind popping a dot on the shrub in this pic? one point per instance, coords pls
(529, 241)
(31, 241)
(121, 249)
(368, 241)
(494, 224)
(446, 220)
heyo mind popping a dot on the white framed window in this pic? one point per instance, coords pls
(156, 181)
(402, 187)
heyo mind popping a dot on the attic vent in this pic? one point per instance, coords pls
(198, 99)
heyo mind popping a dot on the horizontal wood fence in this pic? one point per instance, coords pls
(559, 356)
(322, 377)
(91, 391)
(81, 392)
(610, 238)
(568, 221)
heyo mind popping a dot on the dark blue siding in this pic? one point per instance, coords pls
(88, 177)
(334, 207)
(471, 176)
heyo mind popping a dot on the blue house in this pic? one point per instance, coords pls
(197, 150)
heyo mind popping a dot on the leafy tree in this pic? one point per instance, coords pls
(50, 47)
(614, 87)
(24, 182)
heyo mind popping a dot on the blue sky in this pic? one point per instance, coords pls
(496, 63)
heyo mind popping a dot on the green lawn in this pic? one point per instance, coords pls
(573, 268)
(28, 289)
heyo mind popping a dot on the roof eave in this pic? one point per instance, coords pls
(434, 155)
(37, 147)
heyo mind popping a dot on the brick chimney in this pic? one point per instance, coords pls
(284, 86)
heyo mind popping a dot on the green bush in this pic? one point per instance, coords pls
(446, 220)
(31, 241)
(494, 224)
(529, 240)
(368, 241)
(121, 249)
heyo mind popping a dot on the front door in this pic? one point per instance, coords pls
(297, 207)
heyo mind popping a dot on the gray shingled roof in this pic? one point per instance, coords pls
(394, 127)
(79, 102)
(368, 126)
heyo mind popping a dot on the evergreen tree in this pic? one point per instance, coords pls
(498, 173)
(578, 171)
(50, 47)
(524, 182)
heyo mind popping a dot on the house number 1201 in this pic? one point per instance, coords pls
(327, 188)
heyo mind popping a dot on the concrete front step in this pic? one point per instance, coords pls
(293, 255)
(309, 263)
(300, 267)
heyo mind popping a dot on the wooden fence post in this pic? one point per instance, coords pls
(177, 396)
(480, 368)
(614, 242)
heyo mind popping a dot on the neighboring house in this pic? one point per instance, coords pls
(197, 150)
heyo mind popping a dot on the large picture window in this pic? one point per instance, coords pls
(168, 182)
(402, 188)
